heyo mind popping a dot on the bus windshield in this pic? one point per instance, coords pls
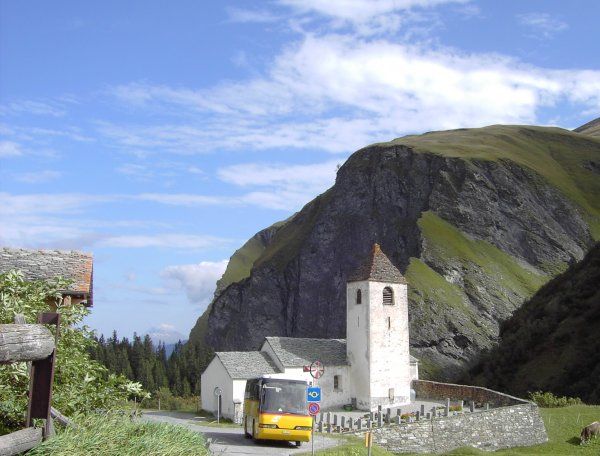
(284, 397)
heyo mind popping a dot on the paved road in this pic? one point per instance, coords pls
(231, 441)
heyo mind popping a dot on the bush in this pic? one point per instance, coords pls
(549, 400)
(80, 384)
(116, 434)
(170, 402)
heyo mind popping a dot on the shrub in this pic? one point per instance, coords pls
(80, 384)
(549, 400)
(170, 402)
(455, 408)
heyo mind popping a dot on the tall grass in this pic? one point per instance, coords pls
(117, 435)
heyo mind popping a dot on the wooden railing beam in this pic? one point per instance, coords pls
(25, 343)
(20, 441)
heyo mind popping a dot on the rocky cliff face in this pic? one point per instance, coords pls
(477, 220)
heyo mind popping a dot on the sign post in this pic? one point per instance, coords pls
(369, 440)
(313, 396)
(218, 393)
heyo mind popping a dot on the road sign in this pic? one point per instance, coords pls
(317, 369)
(313, 394)
(314, 408)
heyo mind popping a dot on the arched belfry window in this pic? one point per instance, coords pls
(358, 296)
(388, 296)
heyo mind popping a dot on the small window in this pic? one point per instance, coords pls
(389, 322)
(388, 296)
(358, 321)
(358, 296)
(337, 382)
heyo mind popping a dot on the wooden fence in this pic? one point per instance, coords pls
(34, 344)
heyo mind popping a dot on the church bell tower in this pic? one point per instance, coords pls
(377, 342)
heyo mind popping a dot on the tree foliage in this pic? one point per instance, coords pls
(142, 361)
(80, 383)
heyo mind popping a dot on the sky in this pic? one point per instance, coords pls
(160, 136)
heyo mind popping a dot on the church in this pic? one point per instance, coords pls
(371, 367)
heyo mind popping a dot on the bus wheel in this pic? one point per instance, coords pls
(298, 443)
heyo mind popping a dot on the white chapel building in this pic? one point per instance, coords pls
(371, 367)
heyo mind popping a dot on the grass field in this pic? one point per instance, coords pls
(563, 426)
(118, 435)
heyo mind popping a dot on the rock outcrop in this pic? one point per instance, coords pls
(477, 220)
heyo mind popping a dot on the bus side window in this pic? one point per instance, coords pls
(255, 392)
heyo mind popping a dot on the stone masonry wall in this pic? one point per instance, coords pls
(504, 427)
(425, 389)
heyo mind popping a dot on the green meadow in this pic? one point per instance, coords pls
(563, 425)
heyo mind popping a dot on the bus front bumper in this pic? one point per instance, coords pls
(291, 435)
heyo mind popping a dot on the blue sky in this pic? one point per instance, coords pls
(160, 136)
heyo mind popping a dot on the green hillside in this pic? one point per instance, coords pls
(552, 342)
(591, 128)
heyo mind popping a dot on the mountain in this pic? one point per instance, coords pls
(591, 128)
(476, 219)
(170, 347)
(165, 333)
(551, 343)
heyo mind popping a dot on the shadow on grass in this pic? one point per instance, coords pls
(574, 441)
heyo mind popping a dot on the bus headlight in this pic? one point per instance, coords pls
(268, 426)
(303, 428)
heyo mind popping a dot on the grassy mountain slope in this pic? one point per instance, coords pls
(241, 262)
(591, 128)
(552, 342)
(477, 220)
(558, 155)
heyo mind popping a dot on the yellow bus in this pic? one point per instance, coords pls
(276, 409)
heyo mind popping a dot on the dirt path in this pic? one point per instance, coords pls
(231, 440)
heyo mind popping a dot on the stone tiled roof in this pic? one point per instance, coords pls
(48, 264)
(378, 268)
(296, 352)
(248, 364)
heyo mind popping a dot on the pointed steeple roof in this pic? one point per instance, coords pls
(377, 268)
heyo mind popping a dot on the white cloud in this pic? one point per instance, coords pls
(369, 17)
(246, 15)
(10, 149)
(277, 174)
(279, 186)
(269, 186)
(38, 177)
(62, 221)
(33, 107)
(542, 24)
(164, 172)
(338, 93)
(357, 10)
(187, 199)
(163, 240)
(197, 280)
